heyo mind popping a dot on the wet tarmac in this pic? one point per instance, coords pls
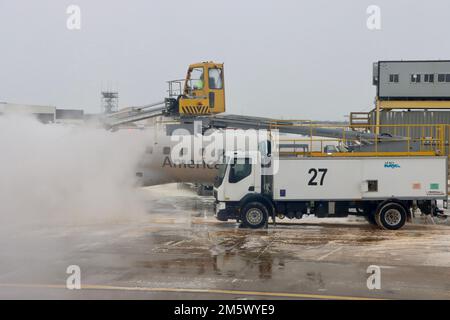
(178, 250)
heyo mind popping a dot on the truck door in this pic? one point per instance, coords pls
(216, 92)
(241, 179)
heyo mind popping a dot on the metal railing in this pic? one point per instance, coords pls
(176, 88)
(398, 140)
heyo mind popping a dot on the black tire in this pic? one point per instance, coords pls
(391, 216)
(254, 215)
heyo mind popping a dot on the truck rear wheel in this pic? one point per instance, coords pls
(391, 216)
(254, 215)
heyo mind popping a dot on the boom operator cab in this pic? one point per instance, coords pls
(202, 92)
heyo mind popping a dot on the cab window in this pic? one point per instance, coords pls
(196, 79)
(215, 78)
(239, 170)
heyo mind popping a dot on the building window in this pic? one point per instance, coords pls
(441, 77)
(428, 78)
(447, 77)
(415, 77)
(393, 78)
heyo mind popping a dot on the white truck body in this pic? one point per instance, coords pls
(347, 178)
(384, 189)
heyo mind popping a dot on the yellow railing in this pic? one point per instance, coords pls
(411, 139)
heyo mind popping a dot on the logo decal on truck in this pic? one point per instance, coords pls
(435, 193)
(391, 164)
(434, 190)
(434, 186)
(416, 186)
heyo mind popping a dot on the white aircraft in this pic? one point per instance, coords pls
(179, 155)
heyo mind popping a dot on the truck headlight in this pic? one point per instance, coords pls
(221, 206)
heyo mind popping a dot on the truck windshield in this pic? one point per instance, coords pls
(221, 175)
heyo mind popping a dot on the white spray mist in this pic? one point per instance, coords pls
(59, 174)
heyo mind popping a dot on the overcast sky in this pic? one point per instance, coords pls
(290, 59)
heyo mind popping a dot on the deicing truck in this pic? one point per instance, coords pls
(253, 188)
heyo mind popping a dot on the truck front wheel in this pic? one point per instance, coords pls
(391, 216)
(254, 215)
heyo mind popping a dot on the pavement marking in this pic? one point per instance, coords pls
(187, 290)
(329, 253)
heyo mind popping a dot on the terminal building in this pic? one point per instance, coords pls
(412, 84)
(415, 93)
(45, 114)
(412, 100)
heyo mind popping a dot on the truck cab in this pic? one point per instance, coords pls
(241, 179)
(236, 178)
